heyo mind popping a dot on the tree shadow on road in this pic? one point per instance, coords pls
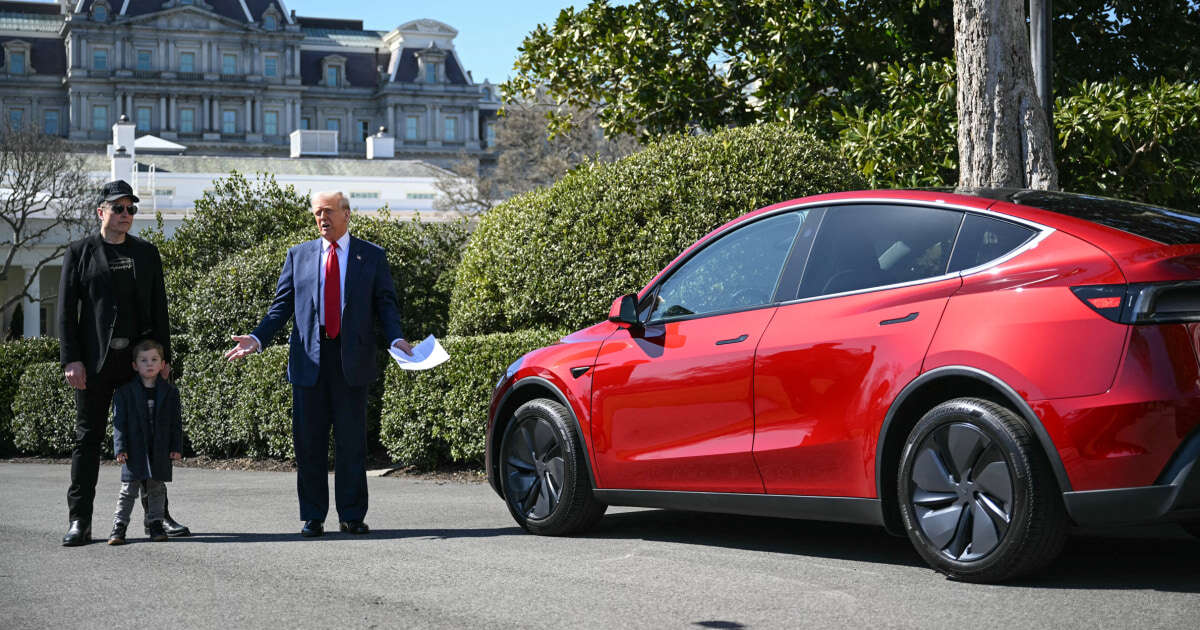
(334, 535)
(1162, 558)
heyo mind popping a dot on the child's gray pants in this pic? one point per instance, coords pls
(156, 498)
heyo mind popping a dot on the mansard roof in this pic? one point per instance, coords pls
(33, 17)
(360, 67)
(342, 37)
(408, 70)
(230, 9)
(47, 56)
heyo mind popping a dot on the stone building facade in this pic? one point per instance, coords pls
(237, 77)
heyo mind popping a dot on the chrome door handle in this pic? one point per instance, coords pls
(734, 340)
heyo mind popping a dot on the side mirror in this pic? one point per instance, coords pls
(624, 311)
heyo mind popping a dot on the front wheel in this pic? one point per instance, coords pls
(978, 499)
(543, 473)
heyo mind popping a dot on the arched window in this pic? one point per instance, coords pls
(270, 23)
(100, 13)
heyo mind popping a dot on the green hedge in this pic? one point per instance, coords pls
(44, 413)
(556, 258)
(241, 408)
(439, 416)
(15, 357)
(235, 293)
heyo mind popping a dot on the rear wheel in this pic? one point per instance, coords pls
(543, 472)
(978, 499)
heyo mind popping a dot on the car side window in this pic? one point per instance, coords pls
(863, 246)
(738, 270)
(984, 239)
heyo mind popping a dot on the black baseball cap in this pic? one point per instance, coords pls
(114, 190)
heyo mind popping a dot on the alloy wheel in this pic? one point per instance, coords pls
(961, 491)
(533, 468)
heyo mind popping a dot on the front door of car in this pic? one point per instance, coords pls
(845, 340)
(672, 405)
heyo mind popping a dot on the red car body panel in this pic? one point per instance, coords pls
(673, 410)
(1019, 320)
(826, 373)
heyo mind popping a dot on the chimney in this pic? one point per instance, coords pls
(123, 132)
(122, 165)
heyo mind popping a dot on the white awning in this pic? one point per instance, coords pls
(154, 143)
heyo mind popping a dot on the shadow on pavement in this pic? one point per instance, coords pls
(1163, 558)
(336, 536)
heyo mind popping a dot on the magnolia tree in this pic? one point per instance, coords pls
(46, 201)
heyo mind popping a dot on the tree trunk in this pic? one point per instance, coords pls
(1003, 135)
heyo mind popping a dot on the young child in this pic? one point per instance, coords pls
(147, 436)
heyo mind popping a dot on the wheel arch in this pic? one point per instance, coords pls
(929, 390)
(521, 392)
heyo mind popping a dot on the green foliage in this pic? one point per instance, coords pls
(242, 408)
(234, 295)
(235, 215)
(439, 416)
(913, 141)
(1138, 142)
(666, 66)
(15, 357)
(1130, 141)
(44, 413)
(556, 258)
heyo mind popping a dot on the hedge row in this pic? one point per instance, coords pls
(556, 258)
(44, 413)
(439, 416)
(15, 358)
(238, 409)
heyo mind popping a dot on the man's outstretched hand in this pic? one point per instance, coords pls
(245, 345)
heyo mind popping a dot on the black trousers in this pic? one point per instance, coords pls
(331, 402)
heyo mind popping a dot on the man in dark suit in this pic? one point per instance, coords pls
(334, 288)
(111, 296)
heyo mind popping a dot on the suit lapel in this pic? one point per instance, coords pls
(100, 261)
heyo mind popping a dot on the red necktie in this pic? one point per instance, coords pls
(333, 294)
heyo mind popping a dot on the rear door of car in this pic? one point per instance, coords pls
(672, 404)
(852, 329)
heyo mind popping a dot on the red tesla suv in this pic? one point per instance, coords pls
(975, 369)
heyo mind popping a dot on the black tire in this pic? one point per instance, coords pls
(977, 496)
(543, 472)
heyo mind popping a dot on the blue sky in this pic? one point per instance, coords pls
(488, 31)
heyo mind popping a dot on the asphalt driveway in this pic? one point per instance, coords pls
(447, 555)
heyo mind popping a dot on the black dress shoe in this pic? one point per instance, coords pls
(174, 528)
(357, 528)
(78, 534)
(157, 533)
(313, 529)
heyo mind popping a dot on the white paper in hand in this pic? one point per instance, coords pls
(429, 353)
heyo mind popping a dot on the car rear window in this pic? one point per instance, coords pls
(1165, 225)
(984, 239)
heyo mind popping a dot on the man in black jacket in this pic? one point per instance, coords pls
(111, 295)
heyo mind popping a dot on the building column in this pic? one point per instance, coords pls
(31, 308)
(296, 61)
(174, 109)
(391, 118)
(216, 114)
(249, 124)
(475, 125)
(434, 112)
(119, 49)
(162, 113)
(75, 120)
(204, 116)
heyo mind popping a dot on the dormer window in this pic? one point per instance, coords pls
(431, 73)
(17, 54)
(270, 23)
(333, 70)
(100, 13)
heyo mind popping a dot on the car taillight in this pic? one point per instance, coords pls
(1144, 302)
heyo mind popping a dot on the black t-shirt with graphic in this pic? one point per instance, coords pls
(124, 283)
